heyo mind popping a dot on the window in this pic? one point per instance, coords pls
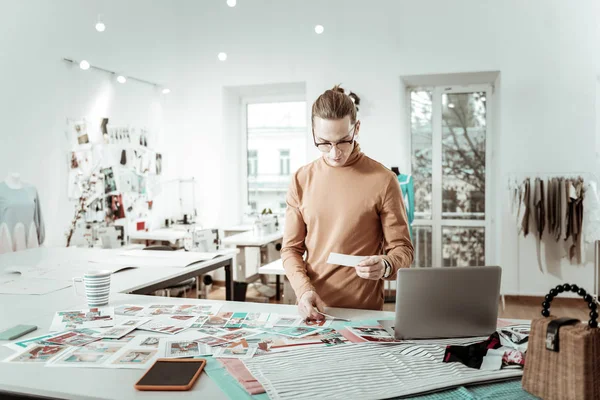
(450, 136)
(278, 131)
(284, 162)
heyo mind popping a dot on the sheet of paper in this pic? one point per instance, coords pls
(17, 284)
(492, 361)
(283, 320)
(344, 259)
(21, 344)
(88, 318)
(296, 331)
(182, 309)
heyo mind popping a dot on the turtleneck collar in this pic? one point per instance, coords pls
(353, 159)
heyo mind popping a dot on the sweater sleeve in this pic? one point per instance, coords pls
(293, 247)
(398, 247)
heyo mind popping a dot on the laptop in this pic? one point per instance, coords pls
(445, 302)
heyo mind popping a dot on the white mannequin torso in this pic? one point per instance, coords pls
(13, 181)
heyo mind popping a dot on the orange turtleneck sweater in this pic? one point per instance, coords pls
(356, 209)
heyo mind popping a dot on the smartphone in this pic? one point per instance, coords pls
(171, 374)
(16, 332)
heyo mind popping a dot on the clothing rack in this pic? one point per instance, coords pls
(518, 177)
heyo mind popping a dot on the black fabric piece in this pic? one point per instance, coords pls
(123, 157)
(472, 355)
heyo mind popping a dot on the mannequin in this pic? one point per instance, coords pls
(13, 181)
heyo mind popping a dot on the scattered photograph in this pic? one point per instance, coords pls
(81, 132)
(199, 321)
(110, 184)
(150, 341)
(211, 330)
(297, 331)
(37, 354)
(236, 320)
(89, 318)
(372, 334)
(135, 357)
(218, 320)
(72, 339)
(211, 341)
(235, 352)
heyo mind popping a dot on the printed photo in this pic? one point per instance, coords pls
(218, 320)
(239, 334)
(236, 320)
(135, 357)
(298, 331)
(129, 310)
(235, 352)
(286, 321)
(124, 339)
(131, 322)
(199, 321)
(110, 184)
(212, 331)
(182, 349)
(72, 339)
(117, 332)
(372, 334)
(38, 354)
(211, 341)
(81, 132)
(150, 341)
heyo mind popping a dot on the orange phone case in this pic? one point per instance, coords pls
(173, 388)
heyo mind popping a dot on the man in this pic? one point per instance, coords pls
(345, 203)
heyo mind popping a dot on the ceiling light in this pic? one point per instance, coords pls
(231, 3)
(451, 105)
(483, 98)
(166, 91)
(84, 65)
(121, 79)
(319, 29)
(222, 56)
(100, 27)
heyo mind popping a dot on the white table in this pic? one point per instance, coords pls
(86, 383)
(249, 240)
(274, 268)
(162, 235)
(136, 281)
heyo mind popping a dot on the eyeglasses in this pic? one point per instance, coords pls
(342, 145)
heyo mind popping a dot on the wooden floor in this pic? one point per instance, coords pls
(517, 307)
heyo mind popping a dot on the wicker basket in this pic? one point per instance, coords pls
(563, 355)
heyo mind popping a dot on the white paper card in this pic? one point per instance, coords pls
(344, 259)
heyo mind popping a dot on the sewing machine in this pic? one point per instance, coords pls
(203, 240)
(265, 225)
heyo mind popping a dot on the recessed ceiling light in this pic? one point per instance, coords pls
(450, 105)
(121, 79)
(166, 91)
(319, 29)
(231, 3)
(222, 56)
(483, 98)
(84, 65)
(100, 27)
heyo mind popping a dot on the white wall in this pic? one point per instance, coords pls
(541, 48)
(40, 91)
(546, 52)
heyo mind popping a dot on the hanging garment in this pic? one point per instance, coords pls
(591, 215)
(538, 211)
(551, 204)
(576, 220)
(558, 210)
(565, 207)
(408, 195)
(5, 239)
(20, 211)
(526, 204)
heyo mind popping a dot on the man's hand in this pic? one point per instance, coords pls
(309, 304)
(372, 268)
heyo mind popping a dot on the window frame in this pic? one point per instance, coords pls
(243, 149)
(437, 223)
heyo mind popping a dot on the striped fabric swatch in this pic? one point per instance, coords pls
(367, 371)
